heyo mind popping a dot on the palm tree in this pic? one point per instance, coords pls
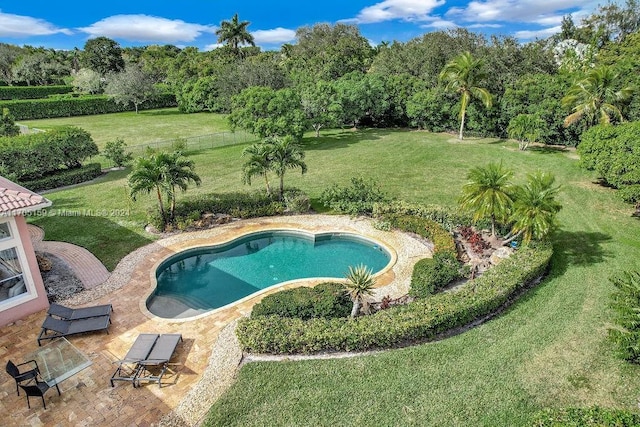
(284, 153)
(162, 172)
(234, 33)
(359, 286)
(179, 172)
(463, 74)
(535, 207)
(488, 193)
(595, 98)
(258, 163)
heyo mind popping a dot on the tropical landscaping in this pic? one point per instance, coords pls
(488, 142)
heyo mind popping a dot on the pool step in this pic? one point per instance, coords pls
(190, 302)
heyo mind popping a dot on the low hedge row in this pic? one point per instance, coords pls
(420, 320)
(78, 106)
(586, 417)
(33, 156)
(236, 204)
(32, 92)
(449, 218)
(64, 177)
(429, 229)
(328, 300)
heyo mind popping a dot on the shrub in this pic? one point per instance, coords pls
(433, 274)
(626, 305)
(32, 92)
(115, 152)
(326, 300)
(64, 177)
(357, 199)
(33, 156)
(441, 238)
(586, 417)
(398, 325)
(8, 126)
(236, 204)
(449, 218)
(296, 201)
(78, 106)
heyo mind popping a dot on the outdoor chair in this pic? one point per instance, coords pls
(140, 350)
(79, 313)
(158, 359)
(13, 370)
(63, 328)
(37, 388)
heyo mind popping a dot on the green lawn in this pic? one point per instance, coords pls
(141, 128)
(548, 350)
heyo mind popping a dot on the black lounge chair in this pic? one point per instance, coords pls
(128, 367)
(79, 313)
(13, 370)
(158, 360)
(62, 327)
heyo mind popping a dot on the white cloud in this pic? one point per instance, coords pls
(274, 36)
(25, 26)
(145, 28)
(533, 11)
(541, 34)
(440, 24)
(388, 10)
(213, 46)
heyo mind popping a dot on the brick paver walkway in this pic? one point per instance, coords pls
(87, 268)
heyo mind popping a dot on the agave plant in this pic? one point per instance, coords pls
(359, 286)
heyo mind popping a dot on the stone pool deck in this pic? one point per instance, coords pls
(204, 364)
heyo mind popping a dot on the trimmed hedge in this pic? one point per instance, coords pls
(420, 320)
(327, 300)
(448, 218)
(33, 92)
(586, 417)
(236, 204)
(34, 156)
(78, 106)
(441, 238)
(431, 275)
(64, 177)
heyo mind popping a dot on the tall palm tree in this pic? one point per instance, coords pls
(595, 97)
(284, 153)
(463, 74)
(535, 207)
(359, 286)
(258, 163)
(234, 33)
(488, 193)
(162, 172)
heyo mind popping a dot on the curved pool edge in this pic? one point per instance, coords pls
(383, 278)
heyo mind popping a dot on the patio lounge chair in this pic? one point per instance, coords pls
(140, 350)
(158, 360)
(62, 327)
(79, 313)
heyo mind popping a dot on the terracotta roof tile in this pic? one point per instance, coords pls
(17, 200)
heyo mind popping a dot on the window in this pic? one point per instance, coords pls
(14, 280)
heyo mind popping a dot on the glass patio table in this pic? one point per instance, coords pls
(58, 361)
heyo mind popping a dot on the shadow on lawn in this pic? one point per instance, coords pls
(343, 139)
(577, 248)
(160, 112)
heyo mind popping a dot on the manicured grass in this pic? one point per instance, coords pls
(141, 128)
(548, 349)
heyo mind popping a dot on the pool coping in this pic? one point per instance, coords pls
(383, 277)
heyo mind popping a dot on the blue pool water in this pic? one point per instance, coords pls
(206, 278)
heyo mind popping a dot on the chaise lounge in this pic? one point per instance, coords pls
(149, 352)
(63, 327)
(67, 313)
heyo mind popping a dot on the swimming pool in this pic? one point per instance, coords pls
(202, 279)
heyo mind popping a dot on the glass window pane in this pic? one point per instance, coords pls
(5, 231)
(11, 279)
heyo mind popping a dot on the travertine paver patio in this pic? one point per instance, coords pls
(88, 399)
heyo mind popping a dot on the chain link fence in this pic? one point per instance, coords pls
(193, 143)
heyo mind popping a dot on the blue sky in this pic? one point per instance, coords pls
(65, 24)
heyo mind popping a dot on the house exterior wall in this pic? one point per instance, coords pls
(35, 299)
